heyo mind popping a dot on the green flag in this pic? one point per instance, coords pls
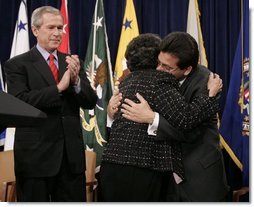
(97, 61)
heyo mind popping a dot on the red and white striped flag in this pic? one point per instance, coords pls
(65, 45)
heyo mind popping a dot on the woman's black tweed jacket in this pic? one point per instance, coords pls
(129, 142)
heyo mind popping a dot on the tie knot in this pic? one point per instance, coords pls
(51, 57)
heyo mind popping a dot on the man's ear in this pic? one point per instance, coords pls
(188, 70)
(35, 31)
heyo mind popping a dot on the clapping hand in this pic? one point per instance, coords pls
(74, 67)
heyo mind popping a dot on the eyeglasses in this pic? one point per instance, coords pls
(166, 67)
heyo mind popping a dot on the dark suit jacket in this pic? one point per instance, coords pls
(38, 150)
(205, 178)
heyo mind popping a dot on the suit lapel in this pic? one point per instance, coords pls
(187, 86)
(184, 85)
(190, 86)
(41, 66)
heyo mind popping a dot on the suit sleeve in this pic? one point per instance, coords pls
(86, 97)
(167, 132)
(173, 107)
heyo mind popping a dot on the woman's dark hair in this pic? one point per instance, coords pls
(183, 46)
(142, 52)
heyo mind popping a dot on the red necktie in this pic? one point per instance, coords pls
(53, 68)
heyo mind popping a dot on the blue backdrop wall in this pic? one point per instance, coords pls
(220, 22)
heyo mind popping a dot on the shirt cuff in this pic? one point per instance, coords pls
(77, 87)
(109, 121)
(152, 128)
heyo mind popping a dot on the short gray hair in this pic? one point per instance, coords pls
(37, 14)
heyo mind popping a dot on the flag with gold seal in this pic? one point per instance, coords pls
(97, 64)
(235, 123)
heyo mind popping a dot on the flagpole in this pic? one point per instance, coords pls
(242, 36)
(241, 101)
(1, 79)
(94, 40)
(108, 56)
